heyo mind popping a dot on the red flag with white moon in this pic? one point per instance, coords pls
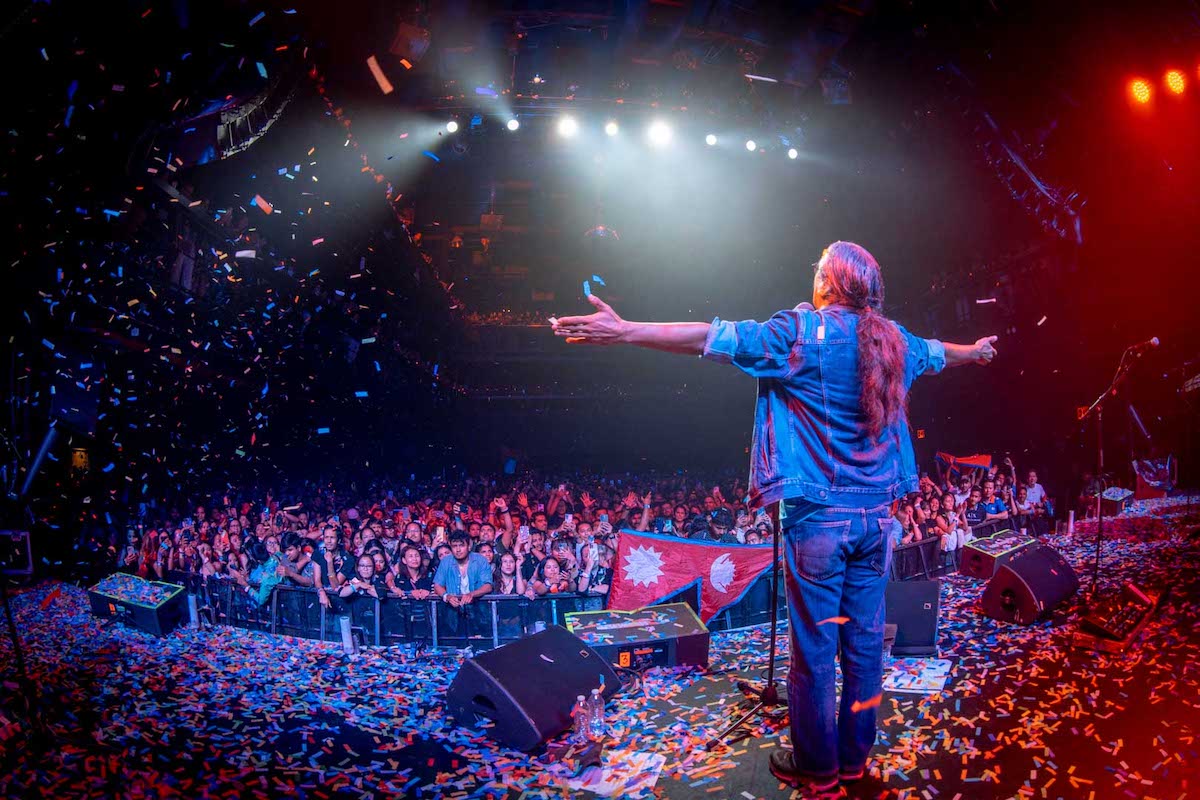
(650, 567)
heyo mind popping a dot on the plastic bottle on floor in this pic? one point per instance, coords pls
(597, 729)
(581, 719)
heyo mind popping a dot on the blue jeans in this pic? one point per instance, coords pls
(837, 566)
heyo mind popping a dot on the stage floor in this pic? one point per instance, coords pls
(230, 713)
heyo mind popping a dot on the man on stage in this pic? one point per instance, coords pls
(831, 445)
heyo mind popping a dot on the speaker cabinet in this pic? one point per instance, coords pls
(914, 608)
(527, 688)
(1027, 586)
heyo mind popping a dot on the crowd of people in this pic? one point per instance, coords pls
(459, 543)
(954, 508)
(530, 537)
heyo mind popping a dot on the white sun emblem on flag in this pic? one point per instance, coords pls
(643, 566)
(721, 573)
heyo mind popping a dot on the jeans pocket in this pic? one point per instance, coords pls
(818, 547)
(881, 559)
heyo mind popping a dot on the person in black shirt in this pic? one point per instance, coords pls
(365, 583)
(596, 575)
(412, 581)
(975, 514)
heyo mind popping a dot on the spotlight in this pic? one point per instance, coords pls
(711, 139)
(659, 133)
(568, 127)
(512, 124)
(1175, 81)
(793, 153)
(451, 126)
(751, 145)
(611, 128)
(1140, 90)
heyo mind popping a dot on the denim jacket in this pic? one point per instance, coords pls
(808, 439)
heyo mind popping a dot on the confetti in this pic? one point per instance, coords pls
(385, 85)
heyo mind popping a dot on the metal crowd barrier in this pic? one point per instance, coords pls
(491, 620)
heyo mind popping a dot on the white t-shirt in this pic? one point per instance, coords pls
(1035, 494)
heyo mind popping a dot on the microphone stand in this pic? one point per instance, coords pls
(1097, 409)
(768, 695)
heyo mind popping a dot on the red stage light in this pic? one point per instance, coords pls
(1140, 90)
(1175, 81)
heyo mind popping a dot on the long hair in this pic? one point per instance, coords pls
(852, 278)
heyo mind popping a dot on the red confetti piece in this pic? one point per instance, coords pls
(863, 705)
(50, 598)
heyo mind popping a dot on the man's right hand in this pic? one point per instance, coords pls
(985, 350)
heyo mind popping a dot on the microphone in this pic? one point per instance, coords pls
(1143, 346)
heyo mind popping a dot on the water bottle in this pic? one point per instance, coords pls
(596, 726)
(581, 717)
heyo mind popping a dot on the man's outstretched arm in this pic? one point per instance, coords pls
(982, 352)
(607, 327)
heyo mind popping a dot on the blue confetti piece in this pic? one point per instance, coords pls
(431, 155)
(322, 431)
(71, 90)
(261, 69)
(360, 394)
(257, 18)
(67, 120)
(109, 468)
(289, 11)
(377, 367)
(485, 91)
(108, 212)
(435, 369)
(48, 343)
(86, 365)
(599, 281)
(281, 171)
(266, 388)
(587, 289)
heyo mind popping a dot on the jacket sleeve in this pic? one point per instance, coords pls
(925, 356)
(760, 349)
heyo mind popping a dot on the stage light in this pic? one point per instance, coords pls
(751, 145)
(611, 128)
(512, 124)
(793, 153)
(711, 139)
(659, 133)
(451, 126)
(1175, 81)
(1140, 90)
(568, 127)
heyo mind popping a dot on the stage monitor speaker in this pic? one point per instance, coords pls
(1029, 585)
(655, 636)
(913, 607)
(528, 688)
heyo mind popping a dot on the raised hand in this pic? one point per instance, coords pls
(631, 500)
(522, 500)
(587, 500)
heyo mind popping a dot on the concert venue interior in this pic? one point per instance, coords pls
(305, 493)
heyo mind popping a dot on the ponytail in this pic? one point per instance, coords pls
(881, 371)
(851, 277)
